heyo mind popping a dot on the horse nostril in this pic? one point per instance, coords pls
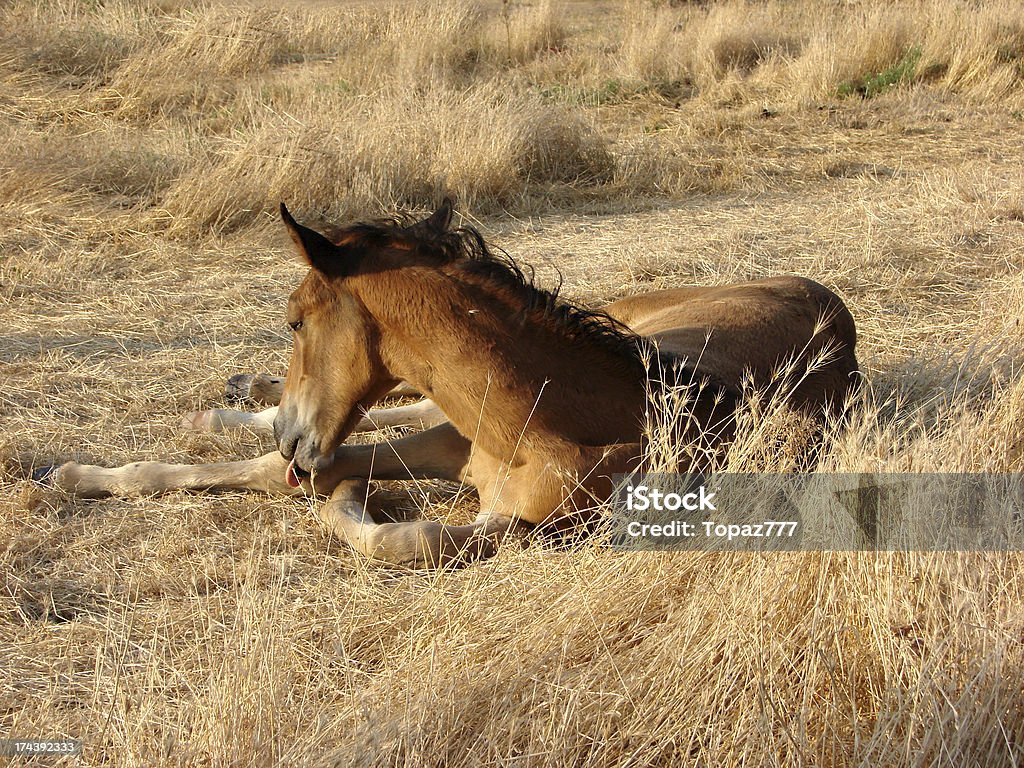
(286, 442)
(287, 447)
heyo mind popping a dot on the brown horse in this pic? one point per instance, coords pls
(544, 401)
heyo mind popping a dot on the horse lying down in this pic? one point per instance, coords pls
(534, 402)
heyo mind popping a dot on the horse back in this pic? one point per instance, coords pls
(753, 329)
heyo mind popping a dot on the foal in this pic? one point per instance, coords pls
(544, 401)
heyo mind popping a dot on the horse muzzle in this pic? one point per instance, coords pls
(298, 443)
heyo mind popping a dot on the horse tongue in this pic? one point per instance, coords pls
(290, 477)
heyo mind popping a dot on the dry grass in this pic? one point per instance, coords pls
(142, 147)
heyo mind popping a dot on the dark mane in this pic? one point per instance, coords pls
(372, 231)
(466, 247)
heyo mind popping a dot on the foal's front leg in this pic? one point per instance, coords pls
(416, 544)
(437, 453)
(145, 478)
(440, 452)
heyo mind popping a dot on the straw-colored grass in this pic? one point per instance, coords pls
(143, 146)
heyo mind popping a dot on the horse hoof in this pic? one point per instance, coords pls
(238, 387)
(260, 388)
(45, 475)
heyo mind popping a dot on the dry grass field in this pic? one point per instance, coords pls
(144, 146)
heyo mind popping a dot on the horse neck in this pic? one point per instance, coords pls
(502, 372)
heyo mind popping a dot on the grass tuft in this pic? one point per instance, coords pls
(902, 72)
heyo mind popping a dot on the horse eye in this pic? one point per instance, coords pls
(296, 325)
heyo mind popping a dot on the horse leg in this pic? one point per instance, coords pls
(440, 452)
(437, 453)
(261, 388)
(144, 478)
(421, 415)
(264, 389)
(416, 544)
(223, 419)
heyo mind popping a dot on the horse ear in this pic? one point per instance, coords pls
(317, 250)
(437, 222)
